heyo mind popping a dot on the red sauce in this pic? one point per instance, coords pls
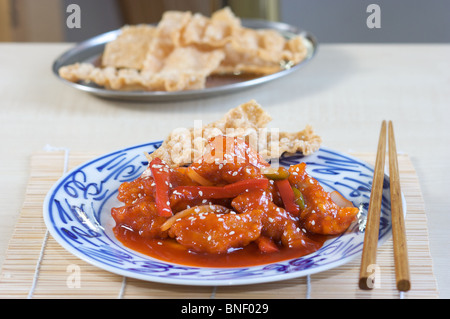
(169, 250)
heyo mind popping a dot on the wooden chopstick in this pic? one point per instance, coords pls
(369, 254)
(368, 259)
(398, 223)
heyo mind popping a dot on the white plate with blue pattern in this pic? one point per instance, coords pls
(77, 214)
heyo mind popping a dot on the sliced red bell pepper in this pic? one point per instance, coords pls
(287, 195)
(266, 245)
(227, 191)
(161, 176)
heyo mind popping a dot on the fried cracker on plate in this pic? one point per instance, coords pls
(185, 145)
(151, 57)
(130, 48)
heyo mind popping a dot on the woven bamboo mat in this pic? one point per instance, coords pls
(36, 266)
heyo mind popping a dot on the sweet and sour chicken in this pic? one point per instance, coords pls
(228, 200)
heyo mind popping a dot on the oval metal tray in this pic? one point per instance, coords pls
(90, 51)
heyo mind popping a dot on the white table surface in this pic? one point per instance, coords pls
(344, 93)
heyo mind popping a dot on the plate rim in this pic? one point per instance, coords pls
(159, 96)
(180, 281)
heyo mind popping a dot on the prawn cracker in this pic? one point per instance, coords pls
(184, 146)
(130, 48)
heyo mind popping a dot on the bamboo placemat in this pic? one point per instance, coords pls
(36, 266)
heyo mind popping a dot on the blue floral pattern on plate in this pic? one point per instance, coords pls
(77, 214)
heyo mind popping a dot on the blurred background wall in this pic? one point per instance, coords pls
(331, 21)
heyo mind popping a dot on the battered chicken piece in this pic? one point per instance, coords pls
(141, 217)
(274, 218)
(295, 237)
(217, 233)
(320, 214)
(276, 222)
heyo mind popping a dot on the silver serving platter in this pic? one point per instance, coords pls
(90, 51)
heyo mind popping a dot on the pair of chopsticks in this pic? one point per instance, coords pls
(367, 276)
